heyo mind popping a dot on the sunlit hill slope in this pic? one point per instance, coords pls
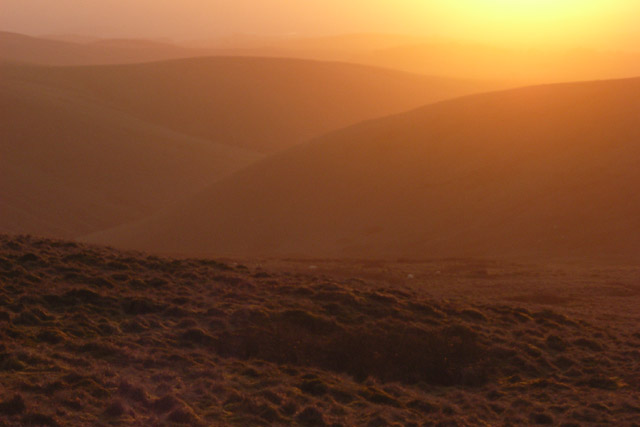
(540, 171)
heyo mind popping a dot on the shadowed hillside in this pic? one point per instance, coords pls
(256, 103)
(94, 336)
(70, 166)
(547, 171)
(88, 148)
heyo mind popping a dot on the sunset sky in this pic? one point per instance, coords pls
(588, 23)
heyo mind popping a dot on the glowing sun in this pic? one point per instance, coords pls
(537, 21)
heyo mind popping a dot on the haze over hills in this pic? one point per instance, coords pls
(35, 50)
(548, 171)
(526, 66)
(421, 55)
(354, 42)
(446, 57)
(70, 166)
(257, 103)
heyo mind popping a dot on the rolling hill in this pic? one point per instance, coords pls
(547, 171)
(255, 103)
(87, 148)
(69, 166)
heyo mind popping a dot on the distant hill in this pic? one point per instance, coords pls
(427, 56)
(547, 171)
(70, 166)
(20, 48)
(256, 103)
(443, 57)
(492, 63)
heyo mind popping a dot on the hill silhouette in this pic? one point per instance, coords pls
(256, 103)
(547, 171)
(21, 48)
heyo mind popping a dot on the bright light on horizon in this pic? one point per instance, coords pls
(533, 23)
(537, 23)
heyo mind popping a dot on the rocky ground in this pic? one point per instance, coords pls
(95, 336)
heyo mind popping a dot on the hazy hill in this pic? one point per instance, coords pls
(438, 57)
(69, 166)
(345, 43)
(447, 58)
(48, 51)
(539, 171)
(258, 103)
(517, 65)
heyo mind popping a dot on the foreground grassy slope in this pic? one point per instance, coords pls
(94, 336)
(547, 171)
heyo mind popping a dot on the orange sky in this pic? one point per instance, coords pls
(597, 23)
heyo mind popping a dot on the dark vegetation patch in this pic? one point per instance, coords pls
(13, 406)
